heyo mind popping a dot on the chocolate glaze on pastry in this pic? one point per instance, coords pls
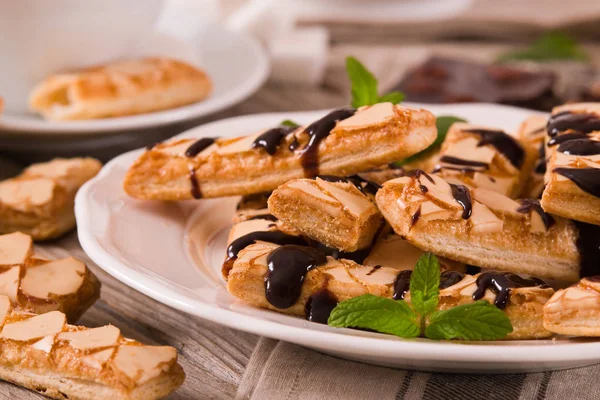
(195, 189)
(529, 205)
(401, 284)
(319, 306)
(565, 137)
(463, 197)
(288, 266)
(570, 121)
(317, 131)
(587, 179)
(449, 278)
(197, 147)
(588, 244)
(362, 184)
(501, 283)
(580, 147)
(504, 143)
(271, 139)
(269, 217)
(460, 161)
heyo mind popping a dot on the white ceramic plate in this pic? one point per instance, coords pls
(237, 64)
(146, 245)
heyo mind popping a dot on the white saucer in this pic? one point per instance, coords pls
(237, 64)
(145, 245)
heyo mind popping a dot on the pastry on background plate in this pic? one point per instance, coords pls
(40, 201)
(343, 142)
(120, 88)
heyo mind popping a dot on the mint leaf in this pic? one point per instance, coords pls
(290, 123)
(475, 321)
(550, 47)
(376, 313)
(442, 123)
(392, 97)
(364, 84)
(425, 285)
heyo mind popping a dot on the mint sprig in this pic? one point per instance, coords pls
(364, 86)
(443, 123)
(552, 46)
(474, 321)
(290, 123)
(376, 313)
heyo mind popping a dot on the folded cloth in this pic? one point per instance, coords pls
(283, 371)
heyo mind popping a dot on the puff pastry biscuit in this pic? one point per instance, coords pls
(575, 311)
(40, 201)
(484, 228)
(482, 157)
(45, 354)
(342, 143)
(573, 176)
(259, 278)
(121, 88)
(533, 132)
(38, 285)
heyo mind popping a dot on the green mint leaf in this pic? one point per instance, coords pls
(425, 285)
(442, 123)
(376, 313)
(392, 97)
(550, 47)
(290, 123)
(475, 321)
(364, 84)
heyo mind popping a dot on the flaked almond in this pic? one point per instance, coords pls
(245, 227)
(371, 276)
(394, 252)
(15, 248)
(439, 189)
(89, 339)
(9, 283)
(483, 220)
(496, 201)
(45, 344)
(142, 363)
(176, 148)
(469, 149)
(340, 274)
(5, 308)
(237, 145)
(356, 203)
(432, 212)
(368, 115)
(98, 359)
(497, 184)
(35, 327)
(60, 277)
(23, 193)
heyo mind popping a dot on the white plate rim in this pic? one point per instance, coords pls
(26, 126)
(338, 342)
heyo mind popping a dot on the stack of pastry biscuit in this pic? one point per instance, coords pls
(38, 348)
(325, 217)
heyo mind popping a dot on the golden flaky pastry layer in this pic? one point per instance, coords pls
(493, 231)
(37, 285)
(573, 169)
(484, 157)
(533, 132)
(336, 213)
(40, 201)
(121, 88)
(45, 354)
(345, 279)
(372, 136)
(575, 311)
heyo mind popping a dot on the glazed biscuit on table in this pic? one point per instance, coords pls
(119, 89)
(533, 132)
(573, 169)
(344, 142)
(483, 157)
(45, 354)
(40, 201)
(260, 277)
(37, 285)
(485, 228)
(575, 311)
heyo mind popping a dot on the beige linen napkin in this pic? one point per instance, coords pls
(283, 371)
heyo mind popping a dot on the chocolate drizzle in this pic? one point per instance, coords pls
(449, 278)
(460, 161)
(362, 184)
(195, 190)
(317, 131)
(319, 306)
(504, 143)
(580, 147)
(199, 145)
(418, 173)
(540, 166)
(587, 179)
(288, 266)
(268, 217)
(532, 205)
(401, 284)
(501, 283)
(276, 237)
(588, 244)
(463, 197)
(415, 217)
(271, 139)
(564, 137)
(570, 121)
(358, 256)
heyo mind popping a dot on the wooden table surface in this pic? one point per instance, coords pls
(214, 357)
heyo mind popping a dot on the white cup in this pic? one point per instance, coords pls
(40, 37)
